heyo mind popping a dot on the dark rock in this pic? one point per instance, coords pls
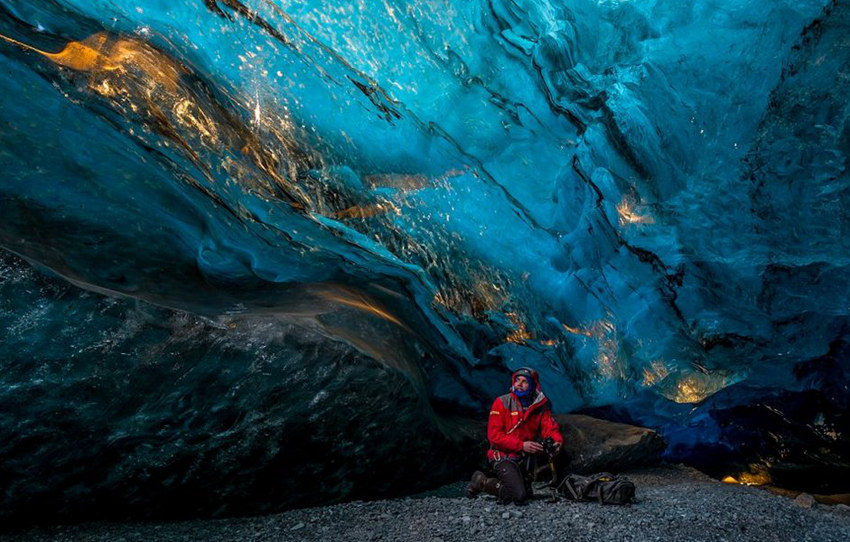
(592, 445)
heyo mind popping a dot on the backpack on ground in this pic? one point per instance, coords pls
(604, 487)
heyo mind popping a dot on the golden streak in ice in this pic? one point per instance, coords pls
(520, 334)
(628, 214)
(143, 83)
(577, 331)
(655, 373)
(361, 302)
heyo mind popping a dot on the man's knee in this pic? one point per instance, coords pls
(513, 494)
(513, 489)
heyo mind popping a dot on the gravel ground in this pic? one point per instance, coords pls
(675, 504)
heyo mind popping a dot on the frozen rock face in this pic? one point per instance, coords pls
(642, 200)
(116, 408)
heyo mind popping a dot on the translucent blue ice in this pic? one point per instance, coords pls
(643, 200)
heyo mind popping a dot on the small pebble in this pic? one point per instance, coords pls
(804, 500)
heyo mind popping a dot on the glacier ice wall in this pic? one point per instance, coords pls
(117, 408)
(642, 200)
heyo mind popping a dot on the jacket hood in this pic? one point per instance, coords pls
(539, 397)
(529, 373)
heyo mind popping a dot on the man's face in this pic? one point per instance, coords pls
(521, 383)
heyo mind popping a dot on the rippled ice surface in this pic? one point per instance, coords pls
(643, 200)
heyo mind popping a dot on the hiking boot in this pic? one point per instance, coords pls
(476, 485)
(492, 486)
(480, 483)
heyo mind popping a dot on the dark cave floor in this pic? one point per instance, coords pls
(674, 504)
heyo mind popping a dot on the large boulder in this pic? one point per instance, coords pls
(592, 445)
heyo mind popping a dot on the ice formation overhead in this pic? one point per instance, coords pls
(643, 200)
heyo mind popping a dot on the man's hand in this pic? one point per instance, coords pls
(558, 447)
(531, 447)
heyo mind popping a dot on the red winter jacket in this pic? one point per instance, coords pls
(510, 424)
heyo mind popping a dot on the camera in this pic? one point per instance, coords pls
(550, 446)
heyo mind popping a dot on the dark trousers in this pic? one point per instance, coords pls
(512, 477)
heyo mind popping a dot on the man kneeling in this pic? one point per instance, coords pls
(518, 420)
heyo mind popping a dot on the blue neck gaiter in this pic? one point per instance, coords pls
(525, 397)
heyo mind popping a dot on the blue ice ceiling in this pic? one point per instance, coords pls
(643, 200)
